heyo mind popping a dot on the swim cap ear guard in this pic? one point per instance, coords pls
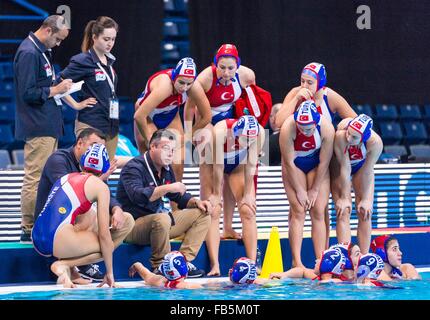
(362, 124)
(95, 159)
(318, 72)
(332, 261)
(344, 248)
(174, 266)
(185, 68)
(227, 50)
(379, 246)
(370, 266)
(307, 113)
(243, 271)
(246, 126)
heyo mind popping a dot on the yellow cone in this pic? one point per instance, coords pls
(273, 257)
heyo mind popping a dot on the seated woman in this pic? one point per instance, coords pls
(388, 248)
(60, 233)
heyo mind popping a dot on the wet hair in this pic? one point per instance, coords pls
(159, 134)
(55, 22)
(84, 134)
(388, 241)
(96, 27)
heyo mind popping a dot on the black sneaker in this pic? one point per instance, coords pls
(25, 237)
(91, 272)
(193, 272)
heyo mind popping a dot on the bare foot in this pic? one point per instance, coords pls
(63, 273)
(77, 279)
(231, 234)
(132, 270)
(215, 272)
(297, 265)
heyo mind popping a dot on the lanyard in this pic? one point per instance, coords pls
(149, 169)
(163, 199)
(46, 58)
(110, 81)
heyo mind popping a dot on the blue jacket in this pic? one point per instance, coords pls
(60, 163)
(36, 114)
(84, 66)
(136, 186)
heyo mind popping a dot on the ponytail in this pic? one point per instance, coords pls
(88, 42)
(96, 27)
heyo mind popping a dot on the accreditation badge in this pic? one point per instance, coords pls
(113, 108)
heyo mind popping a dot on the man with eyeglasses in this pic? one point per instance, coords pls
(146, 185)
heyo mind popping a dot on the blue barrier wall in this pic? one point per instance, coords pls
(21, 263)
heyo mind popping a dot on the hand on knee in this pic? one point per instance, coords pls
(246, 213)
(297, 211)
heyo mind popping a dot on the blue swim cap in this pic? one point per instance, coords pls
(362, 124)
(307, 113)
(185, 68)
(344, 248)
(246, 126)
(174, 266)
(317, 71)
(370, 266)
(332, 261)
(95, 159)
(243, 271)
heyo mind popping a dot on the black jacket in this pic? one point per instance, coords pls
(36, 114)
(84, 67)
(136, 186)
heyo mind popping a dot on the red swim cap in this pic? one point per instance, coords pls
(227, 50)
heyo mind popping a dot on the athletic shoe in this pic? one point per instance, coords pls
(193, 272)
(91, 272)
(25, 237)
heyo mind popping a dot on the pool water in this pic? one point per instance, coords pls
(297, 289)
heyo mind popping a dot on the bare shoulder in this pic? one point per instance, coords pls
(288, 126)
(162, 81)
(375, 141)
(246, 76)
(94, 181)
(205, 78)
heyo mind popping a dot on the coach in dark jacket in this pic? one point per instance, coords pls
(146, 183)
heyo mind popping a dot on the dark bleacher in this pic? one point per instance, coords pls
(385, 112)
(391, 132)
(363, 108)
(175, 44)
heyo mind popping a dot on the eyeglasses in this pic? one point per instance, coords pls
(167, 148)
